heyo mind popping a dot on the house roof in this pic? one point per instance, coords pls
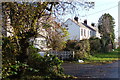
(88, 26)
(82, 24)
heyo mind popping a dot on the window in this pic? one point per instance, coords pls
(88, 33)
(84, 32)
(81, 32)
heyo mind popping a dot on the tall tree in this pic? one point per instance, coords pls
(23, 18)
(57, 36)
(106, 28)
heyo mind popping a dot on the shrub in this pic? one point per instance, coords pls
(81, 48)
(47, 65)
(118, 47)
(95, 45)
(13, 70)
(9, 53)
(70, 45)
(35, 65)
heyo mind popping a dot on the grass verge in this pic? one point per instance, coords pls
(104, 57)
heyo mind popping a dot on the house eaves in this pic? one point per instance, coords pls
(77, 23)
(88, 27)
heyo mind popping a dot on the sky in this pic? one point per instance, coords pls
(101, 7)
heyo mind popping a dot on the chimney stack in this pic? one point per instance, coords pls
(76, 18)
(85, 21)
(93, 24)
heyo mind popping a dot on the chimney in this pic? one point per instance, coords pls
(93, 24)
(85, 21)
(76, 18)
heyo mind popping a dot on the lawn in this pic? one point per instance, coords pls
(105, 57)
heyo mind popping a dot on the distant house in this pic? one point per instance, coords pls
(80, 31)
(40, 41)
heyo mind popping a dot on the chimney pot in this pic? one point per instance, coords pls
(76, 18)
(93, 24)
(85, 21)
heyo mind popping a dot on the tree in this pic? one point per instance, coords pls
(106, 28)
(23, 18)
(57, 36)
(23, 21)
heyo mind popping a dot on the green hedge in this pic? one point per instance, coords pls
(81, 48)
(95, 45)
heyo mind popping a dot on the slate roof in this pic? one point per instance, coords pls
(82, 24)
(88, 26)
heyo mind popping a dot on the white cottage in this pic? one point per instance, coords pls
(80, 31)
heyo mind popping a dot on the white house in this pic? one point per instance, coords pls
(40, 42)
(80, 31)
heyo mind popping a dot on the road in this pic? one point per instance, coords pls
(111, 70)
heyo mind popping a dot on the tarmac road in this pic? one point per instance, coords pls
(111, 70)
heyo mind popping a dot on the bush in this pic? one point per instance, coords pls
(36, 65)
(48, 65)
(118, 47)
(70, 45)
(13, 70)
(95, 45)
(9, 53)
(81, 48)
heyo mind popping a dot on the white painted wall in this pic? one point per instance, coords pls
(73, 29)
(78, 31)
(40, 42)
(84, 33)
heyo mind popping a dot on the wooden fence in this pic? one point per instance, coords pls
(64, 55)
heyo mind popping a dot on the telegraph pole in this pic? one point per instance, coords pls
(119, 23)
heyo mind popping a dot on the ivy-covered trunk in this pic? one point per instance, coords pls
(23, 55)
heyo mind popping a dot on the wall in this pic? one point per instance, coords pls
(78, 31)
(73, 29)
(40, 42)
(84, 33)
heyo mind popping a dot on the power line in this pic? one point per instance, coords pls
(100, 11)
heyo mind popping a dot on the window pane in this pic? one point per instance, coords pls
(84, 32)
(81, 32)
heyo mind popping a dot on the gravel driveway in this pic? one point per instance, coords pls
(110, 70)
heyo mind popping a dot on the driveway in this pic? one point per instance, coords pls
(111, 70)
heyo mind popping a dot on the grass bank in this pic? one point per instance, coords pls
(104, 57)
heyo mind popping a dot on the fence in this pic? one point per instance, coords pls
(64, 55)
